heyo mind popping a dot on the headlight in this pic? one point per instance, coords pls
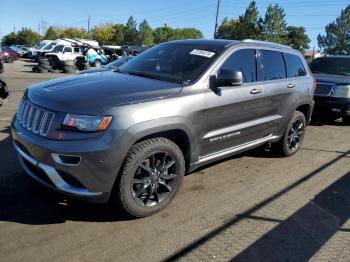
(86, 123)
(342, 91)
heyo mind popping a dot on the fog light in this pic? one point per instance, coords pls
(68, 160)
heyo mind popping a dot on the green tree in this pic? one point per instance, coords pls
(145, 34)
(274, 25)
(228, 29)
(73, 32)
(297, 38)
(104, 34)
(187, 33)
(130, 32)
(10, 39)
(53, 33)
(249, 25)
(118, 38)
(28, 37)
(163, 34)
(337, 38)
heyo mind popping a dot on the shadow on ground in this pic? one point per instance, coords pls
(302, 234)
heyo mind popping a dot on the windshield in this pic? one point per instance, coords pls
(331, 66)
(39, 46)
(50, 46)
(119, 62)
(173, 62)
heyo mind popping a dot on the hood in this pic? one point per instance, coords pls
(338, 79)
(93, 93)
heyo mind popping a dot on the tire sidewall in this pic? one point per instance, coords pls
(126, 179)
(297, 115)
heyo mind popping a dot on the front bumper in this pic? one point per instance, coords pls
(92, 178)
(332, 106)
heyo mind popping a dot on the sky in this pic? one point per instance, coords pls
(314, 15)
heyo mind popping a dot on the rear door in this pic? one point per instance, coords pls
(278, 90)
(233, 113)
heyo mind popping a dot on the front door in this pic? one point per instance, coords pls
(234, 112)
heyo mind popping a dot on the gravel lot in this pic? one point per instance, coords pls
(250, 207)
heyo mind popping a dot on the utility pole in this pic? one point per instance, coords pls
(216, 19)
(88, 27)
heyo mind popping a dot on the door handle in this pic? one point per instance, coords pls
(256, 91)
(290, 85)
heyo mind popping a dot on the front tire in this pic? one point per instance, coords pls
(150, 177)
(293, 137)
(10, 59)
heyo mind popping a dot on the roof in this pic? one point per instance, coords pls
(225, 42)
(208, 42)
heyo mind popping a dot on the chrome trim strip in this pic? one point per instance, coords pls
(235, 149)
(53, 175)
(238, 127)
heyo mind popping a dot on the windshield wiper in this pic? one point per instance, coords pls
(146, 75)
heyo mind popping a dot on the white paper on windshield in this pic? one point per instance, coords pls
(202, 53)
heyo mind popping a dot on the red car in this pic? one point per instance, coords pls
(8, 55)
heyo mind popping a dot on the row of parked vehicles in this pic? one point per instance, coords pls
(130, 133)
(71, 55)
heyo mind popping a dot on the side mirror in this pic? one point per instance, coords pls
(228, 77)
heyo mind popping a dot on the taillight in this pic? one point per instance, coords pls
(315, 84)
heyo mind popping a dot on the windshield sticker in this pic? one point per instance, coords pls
(202, 53)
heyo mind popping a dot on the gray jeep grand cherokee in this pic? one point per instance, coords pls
(135, 131)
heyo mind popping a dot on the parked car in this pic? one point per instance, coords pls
(179, 105)
(22, 50)
(332, 94)
(111, 66)
(4, 92)
(9, 55)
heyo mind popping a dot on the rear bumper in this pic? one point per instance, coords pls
(332, 106)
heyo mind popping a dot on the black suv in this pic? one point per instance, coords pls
(332, 94)
(138, 129)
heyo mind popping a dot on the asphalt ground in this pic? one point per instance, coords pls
(250, 207)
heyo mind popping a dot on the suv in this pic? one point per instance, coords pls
(332, 94)
(131, 134)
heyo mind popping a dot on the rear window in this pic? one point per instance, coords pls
(272, 65)
(331, 66)
(295, 67)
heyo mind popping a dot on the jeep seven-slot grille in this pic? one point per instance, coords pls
(33, 118)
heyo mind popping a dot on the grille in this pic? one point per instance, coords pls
(324, 89)
(33, 118)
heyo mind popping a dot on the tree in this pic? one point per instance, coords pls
(10, 39)
(228, 29)
(104, 34)
(274, 25)
(130, 32)
(297, 38)
(163, 34)
(337, 38)
(249, 24)
(145, 34)
(28, 37)
(187, 33)
(53, 33)
(118, 38)
(73, 32)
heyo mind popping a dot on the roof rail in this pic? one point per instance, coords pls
(267, 43)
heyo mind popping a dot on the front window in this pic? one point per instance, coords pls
(331, 66)
(50, 46)
(173, 62)
(58, 49)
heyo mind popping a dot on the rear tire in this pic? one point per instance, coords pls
(10, 59)
(293, 137)
(150, 177)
